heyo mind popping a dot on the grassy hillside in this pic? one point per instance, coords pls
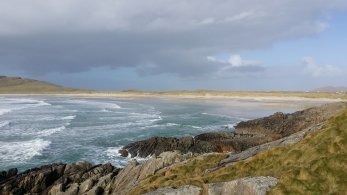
(17, 85)
(316, 165)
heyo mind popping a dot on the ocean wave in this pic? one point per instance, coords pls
(171, 124)
(161, 125)
(13, 104)
(227, 116)
(218, 115)
(5, 110)
(22, 150)
(48, 132)
(113, 151)
(230, 126)
(195, 127)
(104, 105)
(4, 124)
(113, 154)
(69, 117)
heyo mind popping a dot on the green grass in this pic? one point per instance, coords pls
(15, 85)
(316, 165)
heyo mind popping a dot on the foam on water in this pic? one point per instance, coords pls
(12, 104)
(22, 150)
(5, 110)
(68, 117)
(48, 132)
(196, 127)
(100, 104)
(4, 124)
(119, 161)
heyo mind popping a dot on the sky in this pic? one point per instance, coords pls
(176, 45)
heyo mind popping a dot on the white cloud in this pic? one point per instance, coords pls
(318, 70)
(234, 60)
(234, 64)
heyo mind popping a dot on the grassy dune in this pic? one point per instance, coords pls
(316, 165)
(17, 85)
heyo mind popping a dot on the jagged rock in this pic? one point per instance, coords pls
(77, 178)
(56, 189)
(183, 190)
(10, 173)
(243, 186)
(123, 153)
(157, 145)
(72, 189)
(77, 167)
(87, 185)
(96, 191)
(134, 172)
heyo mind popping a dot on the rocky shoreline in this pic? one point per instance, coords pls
(248, 139)
(246, 134)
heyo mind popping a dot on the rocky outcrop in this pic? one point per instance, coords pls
(246, 134)
(8, 174)
(183, 190)
(133, 173)
(77, 178)
(243, 186)
(84, 178)
(157, 145)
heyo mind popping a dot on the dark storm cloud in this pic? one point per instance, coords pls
(152, 37)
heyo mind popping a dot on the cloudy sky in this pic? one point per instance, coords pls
(176, 44)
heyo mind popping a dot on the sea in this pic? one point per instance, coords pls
(38, 130)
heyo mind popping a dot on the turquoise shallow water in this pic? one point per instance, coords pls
(40, 130)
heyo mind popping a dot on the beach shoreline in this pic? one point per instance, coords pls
(184, 96)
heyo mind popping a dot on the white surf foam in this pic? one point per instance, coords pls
(68, 117)
(48, 132)
(100, 104)
(113, 151)
(230, 126)
(4, 124)
(171, 124)
(23, 150)
(113, 154)
(5, 110)
(196, 127)
(12, 104)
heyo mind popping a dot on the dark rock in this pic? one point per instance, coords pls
(56, 178)
(99, 190)
(124, 153)
(12, 172)
(157, 145)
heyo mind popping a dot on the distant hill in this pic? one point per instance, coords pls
(18, 85)
(331, 89)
